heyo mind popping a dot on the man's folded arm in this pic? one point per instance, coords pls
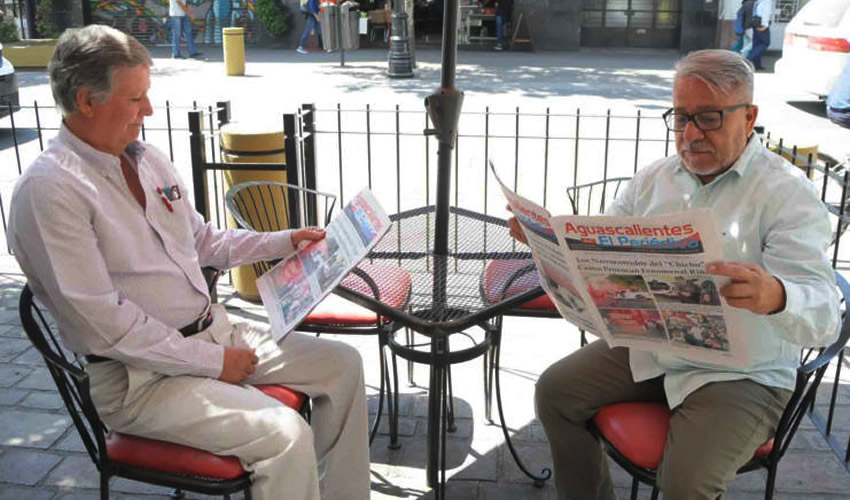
(56, 238)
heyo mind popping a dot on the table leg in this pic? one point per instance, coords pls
(435, 469)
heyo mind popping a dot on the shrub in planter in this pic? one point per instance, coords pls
(8, 32)
(45, 18)
(274, 16)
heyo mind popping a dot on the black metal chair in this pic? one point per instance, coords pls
(621, 426)
(271, 206)
(122, 455)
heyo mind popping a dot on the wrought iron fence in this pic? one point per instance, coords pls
(540, 153)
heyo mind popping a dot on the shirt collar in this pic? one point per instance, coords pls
(106, 163)
(739, 168)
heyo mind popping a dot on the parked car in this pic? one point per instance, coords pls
(817, 41)
(8, 85)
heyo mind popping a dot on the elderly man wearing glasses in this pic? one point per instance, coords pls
(774, 234)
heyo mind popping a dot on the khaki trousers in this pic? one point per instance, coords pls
(712, 433)
(289, 459)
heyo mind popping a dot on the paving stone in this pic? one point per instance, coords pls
(19, 493)
(83, 496)
(30, 357)
(812, 473)
(39, 379)
(481, 464)
(456, 489)
(10, 374)
(71, 442)
(11, 396)
(31, 429)
(43, 400)
(74, 472)
(12, 348)
(406, 426)
(534, 457)
(10, 317)
(26, 467)
(380, 453)
(15, 331)
(500, 491)
(136, 487)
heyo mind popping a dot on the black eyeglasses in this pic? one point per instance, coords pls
(676, 121)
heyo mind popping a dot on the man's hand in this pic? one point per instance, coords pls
(239, 364)
(306, 234)
(516, 230)
(752, 288)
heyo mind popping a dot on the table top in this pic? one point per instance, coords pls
(448, 293)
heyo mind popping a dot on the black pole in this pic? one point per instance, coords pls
(444, 108)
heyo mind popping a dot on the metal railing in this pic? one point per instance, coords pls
(541, 154)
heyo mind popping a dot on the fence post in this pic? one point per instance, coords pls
(222, 112)
(199, 160)
(290, 147)
(308, 167)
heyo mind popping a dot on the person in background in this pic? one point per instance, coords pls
(503, 15)
(181, 25)
(313, 22)
(781, 290)
(762, 14)
(743, 28)
(114, 250)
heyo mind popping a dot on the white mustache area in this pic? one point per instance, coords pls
(697, 148)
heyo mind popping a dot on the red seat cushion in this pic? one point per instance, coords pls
(498, 272)
(178, 459)
(393, 286)
(638, 430)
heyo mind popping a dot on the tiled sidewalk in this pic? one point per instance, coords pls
(41, 457)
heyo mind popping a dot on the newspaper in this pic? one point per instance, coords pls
(292, 288)
(638, 282)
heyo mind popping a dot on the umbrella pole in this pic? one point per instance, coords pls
(444, 109)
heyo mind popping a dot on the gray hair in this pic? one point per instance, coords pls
(721, 70)
(85, 58)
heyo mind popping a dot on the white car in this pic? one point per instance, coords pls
(816, 46)
(8, 85)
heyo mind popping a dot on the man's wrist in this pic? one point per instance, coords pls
(784, 297)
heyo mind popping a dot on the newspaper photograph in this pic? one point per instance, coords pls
(292, 288)
(637, 282)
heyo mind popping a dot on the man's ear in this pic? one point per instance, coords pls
(84, 102)
(752, 115)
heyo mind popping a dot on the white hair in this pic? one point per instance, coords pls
(723, 71)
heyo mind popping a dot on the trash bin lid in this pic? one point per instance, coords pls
(251, 137)
(233, 31)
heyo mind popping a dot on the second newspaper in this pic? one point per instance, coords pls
(638, 282)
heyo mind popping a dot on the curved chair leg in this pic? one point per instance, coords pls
(450, 409)
(394, 442)
(635, 486)
(770, 483)
(104, 486)
(546, 472)
(247, 492)
(382, 359)
(583, 338)
(654, 495)
(408, 334)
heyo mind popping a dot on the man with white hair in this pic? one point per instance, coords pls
(108, 243)
(774, 233)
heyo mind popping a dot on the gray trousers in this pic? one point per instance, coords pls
(289, 459)
(712, 433)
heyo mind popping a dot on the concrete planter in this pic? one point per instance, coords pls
(30, 53)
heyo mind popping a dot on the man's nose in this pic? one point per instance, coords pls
(147, 109)
(691, 131)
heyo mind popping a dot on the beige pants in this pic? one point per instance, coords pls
(271, 440)
(712, 433)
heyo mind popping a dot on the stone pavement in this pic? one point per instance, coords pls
(41, 457)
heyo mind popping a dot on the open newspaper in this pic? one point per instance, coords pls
(638, 282)
(292, 288)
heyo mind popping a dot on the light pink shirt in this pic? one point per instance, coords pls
(120, 281)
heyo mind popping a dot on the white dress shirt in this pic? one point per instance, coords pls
(764, 9)
(768, 214)
(120, 280)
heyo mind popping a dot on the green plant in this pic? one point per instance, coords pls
(274, 17)
(8, 32)
(44, 18)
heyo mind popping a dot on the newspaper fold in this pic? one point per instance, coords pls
(638, 282)
(292, 288)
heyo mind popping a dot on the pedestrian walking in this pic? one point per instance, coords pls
(181, 24)
(310, 9)
(762, 12)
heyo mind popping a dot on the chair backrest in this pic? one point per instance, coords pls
(592, 198)
(68, 373)
(271, 206)
(809, 375)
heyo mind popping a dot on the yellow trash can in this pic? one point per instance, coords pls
(233, 44)
(250, 143)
